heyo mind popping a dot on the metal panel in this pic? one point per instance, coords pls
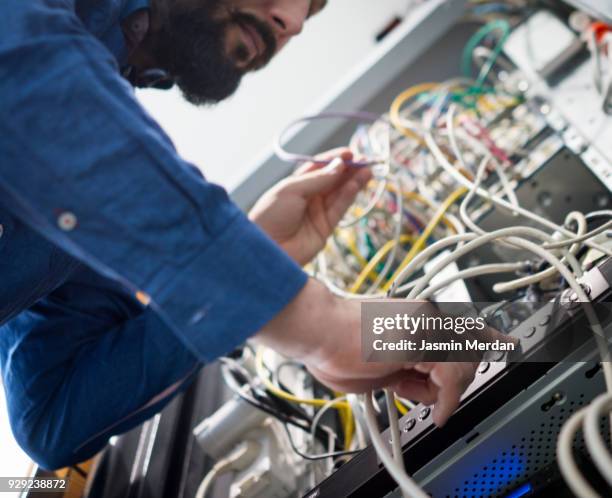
(574, 107)
(517, 441)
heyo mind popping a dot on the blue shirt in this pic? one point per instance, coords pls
(97, 209)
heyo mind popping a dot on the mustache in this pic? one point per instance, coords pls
(266, 33)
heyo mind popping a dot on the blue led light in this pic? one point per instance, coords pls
(522, 491)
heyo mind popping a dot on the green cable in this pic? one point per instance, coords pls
(477, 39)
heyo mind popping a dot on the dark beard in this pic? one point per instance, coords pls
(191, 48)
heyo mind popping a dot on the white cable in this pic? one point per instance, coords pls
(422, 289)
(396, 445)
(406, 483)
(599, 452)
(334, 289)
(451, 170)
(554, 261)
(582, 238)
(206, 483)
(505, 182)
(380, 191)
(511, 233)
(320, 413)
(519, 283)
(424, 256)
(478, 241)
(531, 279)
(569, 470)
(572, 475)
(399, 216)
(463, 207)
(239, 459)
(360, 427)
(567, 465)
(477, 271)
(506, 185)
(600, 455)
(396, 442)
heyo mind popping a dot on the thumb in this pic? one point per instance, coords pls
(316, 182)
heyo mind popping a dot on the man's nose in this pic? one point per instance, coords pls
(288, 17)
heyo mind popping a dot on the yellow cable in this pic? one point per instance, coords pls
(400, 407)
(347, 422)
(422, 240)
(382, 252)
(398, 103)
(396, 120)
(352, 247)
(349, 428)
(413, 196)
(486, 103)
(263, 376)
(407, 403)
(341, 411)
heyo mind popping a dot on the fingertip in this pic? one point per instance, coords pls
(335, 167)
(445, 406)
(436, 378)
(365, 175)
(346, 155)
(440, 416)
(352, 188)
(424, 367)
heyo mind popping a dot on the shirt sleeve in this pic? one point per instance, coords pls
(87, 337)
(83, 163)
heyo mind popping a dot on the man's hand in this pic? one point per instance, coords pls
(302, 211)
(323, 332)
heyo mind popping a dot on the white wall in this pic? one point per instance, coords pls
(13, 461)
(224, 140)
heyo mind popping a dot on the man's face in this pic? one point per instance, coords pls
(208, 45)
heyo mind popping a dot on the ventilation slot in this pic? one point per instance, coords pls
(515, 464)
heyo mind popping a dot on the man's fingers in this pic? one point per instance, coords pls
(320, 181)
(416, 387)
(342, 153)
(424, 368)
(452, 380)
(339, 202)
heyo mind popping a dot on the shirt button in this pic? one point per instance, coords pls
(67, 221)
